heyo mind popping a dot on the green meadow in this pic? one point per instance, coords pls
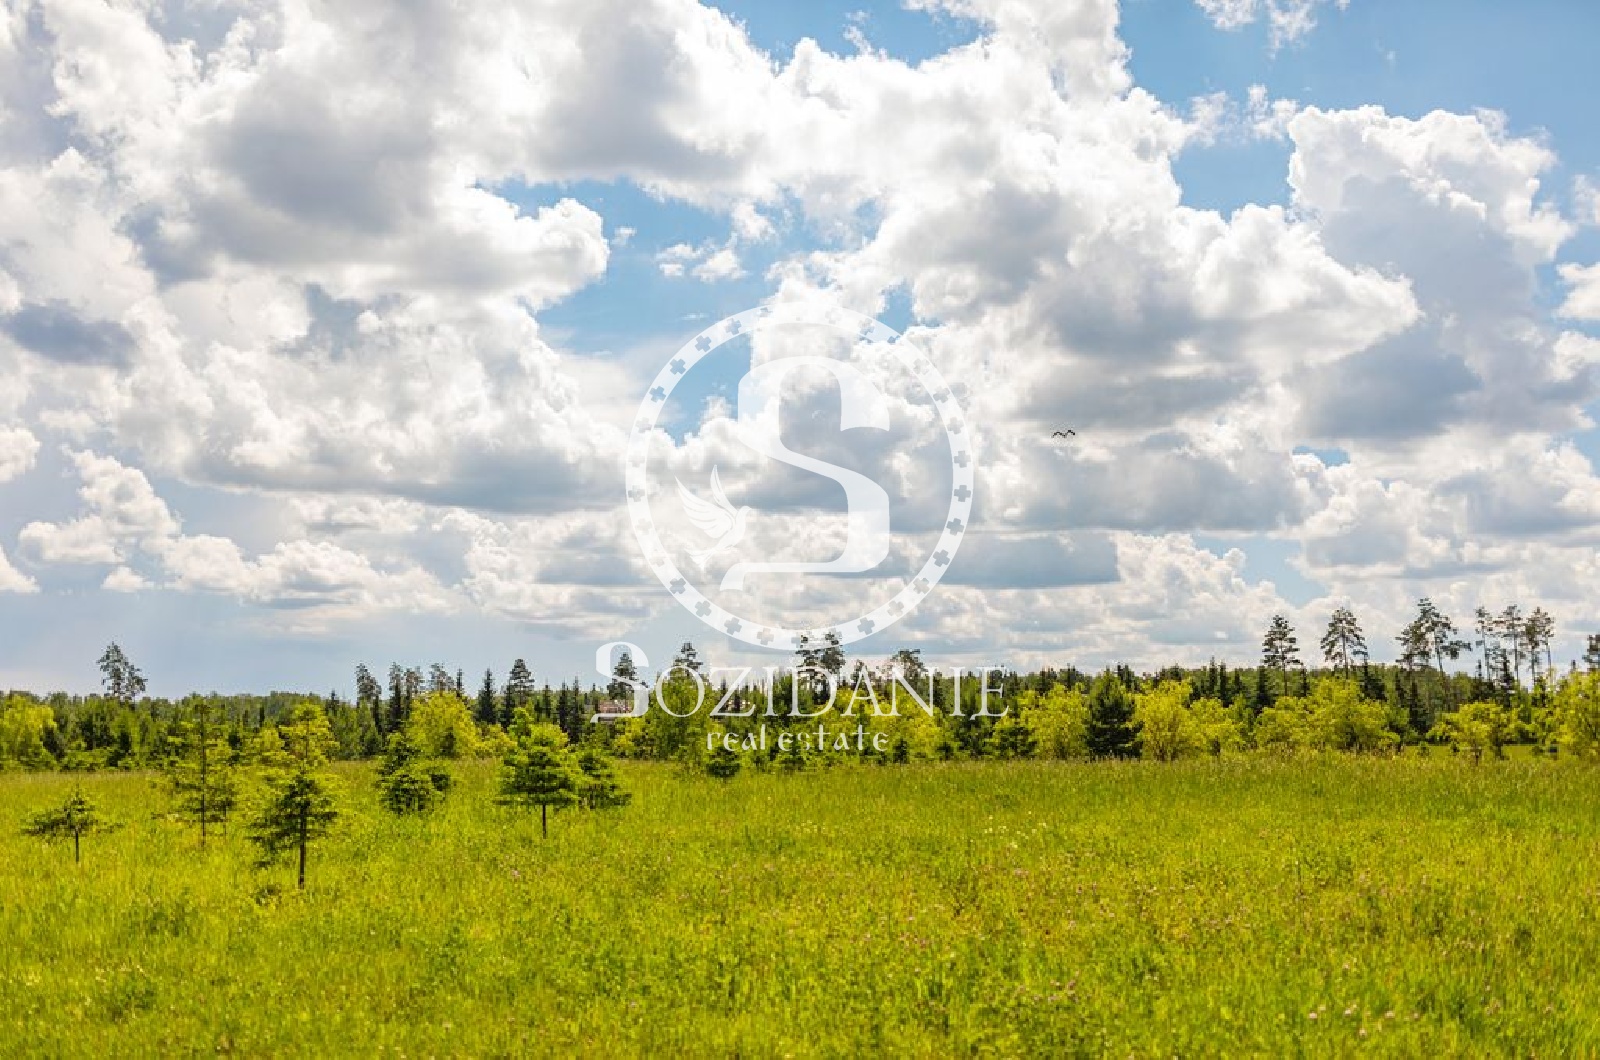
(1316, 906)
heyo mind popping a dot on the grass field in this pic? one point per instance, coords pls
(1316, 907)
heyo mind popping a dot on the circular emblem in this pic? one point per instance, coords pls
(881, 340)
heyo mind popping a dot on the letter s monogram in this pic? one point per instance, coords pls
(861, 404)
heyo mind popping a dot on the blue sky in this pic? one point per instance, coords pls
(371, 408)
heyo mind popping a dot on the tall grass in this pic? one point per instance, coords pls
(1406, 906)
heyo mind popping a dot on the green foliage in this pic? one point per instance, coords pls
(299, 807)
(1167, 729)
(24, 725)
(306, 737)
(1334, 717)
(407, 783)
(1577, 708)
(598, 787)
(1110, 731)
(1199, 908)
(1012, 738)
(795, 758)
(538, 770)
(410, 789)
(442, 726)
(1478, 728)
(1220, 729)
(75, 818)
(724, 763)
(298, 804)
(200, 775)
(1059, 721)
(674, 730)
(121, 679)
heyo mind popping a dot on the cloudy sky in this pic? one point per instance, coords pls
(323, 325)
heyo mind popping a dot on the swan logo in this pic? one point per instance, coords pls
(722, 525)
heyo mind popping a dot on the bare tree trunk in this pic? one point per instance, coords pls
(77, 857)
(544, 820)
(302, 851)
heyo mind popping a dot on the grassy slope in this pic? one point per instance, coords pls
(1408, 906)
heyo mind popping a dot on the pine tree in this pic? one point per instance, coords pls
(1110, 729)
(407, 784)
(369, 696)
(299, 805)
(1344, 642)
(1591, 653)
(538, 771)
(122, 680)
(1280, 650)
(77, 817)
(200, 776)
(1263, 692)
(599, 788)
(724, 763)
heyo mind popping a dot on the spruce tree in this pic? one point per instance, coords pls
(624, 672)
(598, 787)
(1012, 738)
(724, 763)
(538, 771)
(487, 711)
(1110, 729)
(1372, 683)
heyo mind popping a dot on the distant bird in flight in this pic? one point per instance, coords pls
(720, 520)
(1065, 433)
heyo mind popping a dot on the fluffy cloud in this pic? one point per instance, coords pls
(1287, 20)
(13, 580)
(326, 305)
(18, 448)
(1583, 292)
(125, 523)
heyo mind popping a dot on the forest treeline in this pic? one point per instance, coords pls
(1475, 690)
